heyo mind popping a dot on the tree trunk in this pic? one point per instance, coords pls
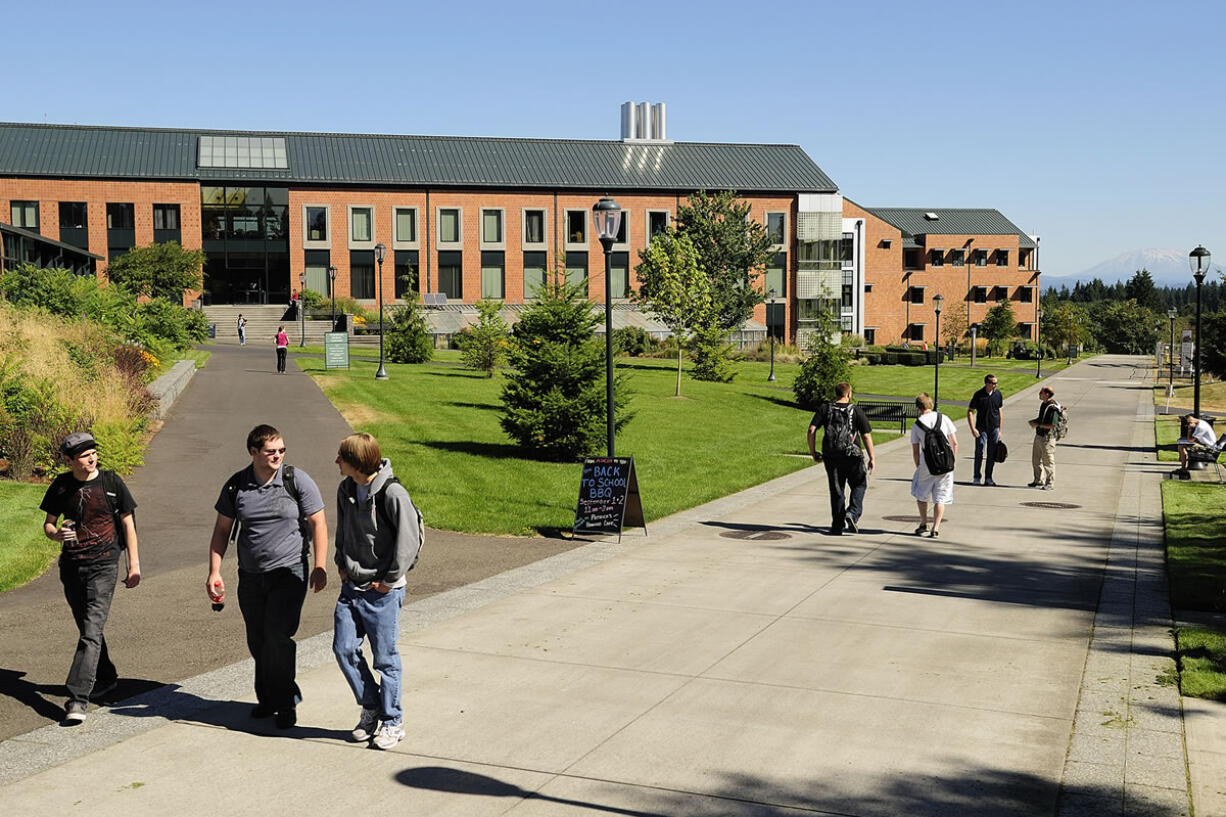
(678, 394)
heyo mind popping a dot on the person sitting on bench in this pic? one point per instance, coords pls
(1197, 434)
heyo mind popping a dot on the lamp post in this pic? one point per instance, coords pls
(1038, 366)
(1199, 260)
(380, 252)
(332, 289)
(771, 377)
(1170, 355)
(608, 217)
(298, 304)
(938, 301)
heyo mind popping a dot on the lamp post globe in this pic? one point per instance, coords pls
(607, 215)
(380, 253)
(938, 301)
(1199, 260)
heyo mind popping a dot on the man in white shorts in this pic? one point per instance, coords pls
(925, 486)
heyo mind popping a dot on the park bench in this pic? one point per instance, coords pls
(1199, 455)
(902, 412)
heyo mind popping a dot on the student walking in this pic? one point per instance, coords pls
(280, 514)
(1043, 451)
(96, 508)
(984, 418)
(845, 467)
(282, 349)
(930, 482)
(242, 330)
(378, 539)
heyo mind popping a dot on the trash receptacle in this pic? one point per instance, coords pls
(212, 330)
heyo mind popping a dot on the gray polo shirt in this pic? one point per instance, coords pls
(271, 535)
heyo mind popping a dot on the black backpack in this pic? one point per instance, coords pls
(291, 488)
(840, 439)
(938, 455)
(384, 516)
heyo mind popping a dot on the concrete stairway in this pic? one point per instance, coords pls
(262, 323)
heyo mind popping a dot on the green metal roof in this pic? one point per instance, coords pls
(914, 221)
(436, 161)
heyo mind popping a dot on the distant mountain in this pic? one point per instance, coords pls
(1168, 268)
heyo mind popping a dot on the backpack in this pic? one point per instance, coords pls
(384, 516)
(111, 488)
(291, 488)
(840, 438)
(1059, 422)
(938, 456)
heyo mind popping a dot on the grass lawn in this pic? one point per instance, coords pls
(1202, 660)
(24, 551)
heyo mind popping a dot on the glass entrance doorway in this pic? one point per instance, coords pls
(245, 233)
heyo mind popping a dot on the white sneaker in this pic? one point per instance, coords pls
(368, 724)
(389, 735)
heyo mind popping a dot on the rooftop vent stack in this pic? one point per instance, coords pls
(658, 130)
(642, 117)
(627, 120)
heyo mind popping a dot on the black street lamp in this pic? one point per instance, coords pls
(1170, 355)
(299, 304)
(1038, 344)
(607, 214)
(380, 253)
(1199, 260)
(938, 301)
(332, 289)
(771, 378)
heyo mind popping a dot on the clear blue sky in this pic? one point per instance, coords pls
(1097, 125)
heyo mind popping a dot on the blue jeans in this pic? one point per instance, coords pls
(89, 588)
(271, 604)
(986, 440)
(374, 615)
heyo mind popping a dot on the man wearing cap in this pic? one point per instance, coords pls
(97, 524)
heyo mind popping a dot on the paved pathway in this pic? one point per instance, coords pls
(736, 662)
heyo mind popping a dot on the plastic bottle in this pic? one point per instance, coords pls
(219, 601)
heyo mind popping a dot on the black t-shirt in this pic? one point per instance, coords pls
(987, 409)
(859, 422)
(86, 504)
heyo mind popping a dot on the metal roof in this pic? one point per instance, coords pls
(952, 221)
(50, 242)
(436, 161)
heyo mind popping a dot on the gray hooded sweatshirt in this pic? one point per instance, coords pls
(366, 550)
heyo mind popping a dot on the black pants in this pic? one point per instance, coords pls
(271, 604)
(843, 473)
(282, 352)
(89, 589)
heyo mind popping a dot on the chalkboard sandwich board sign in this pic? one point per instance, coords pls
(608, 497)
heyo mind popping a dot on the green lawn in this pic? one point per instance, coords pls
(1202, 661)
(1166, 432)
(24, 551)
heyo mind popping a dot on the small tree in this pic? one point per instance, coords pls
(408, 337)
(712, 355)
(957, 321)
(484, 346)
(672, 286)
(1124, 327)
(999, 325)
(158, 270)
(828, 364)
(553, 403)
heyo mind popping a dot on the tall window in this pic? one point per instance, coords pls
(776, 276)
(24, 214)
(576, 269)
(315, 263)
(317, 223)
(493, 283)
(451, 275)
(363, 227)
(534, 273)
(166, 223)
(657, 222)
(619, 274)
(74, 225)
(120, 229)
(406, 225)
(534, 227)
(362, 274)
(449, 226)
(491, 226)
(576, 227)
(406, 272)
(775, 227)
(848, 249)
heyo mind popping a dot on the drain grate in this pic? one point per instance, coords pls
(902, 518)
(756, 535)
(1056, 506)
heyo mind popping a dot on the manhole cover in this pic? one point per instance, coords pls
(757, 535)
(1058, 506)
(902, 518)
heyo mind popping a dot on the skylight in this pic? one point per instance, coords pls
(266, 152)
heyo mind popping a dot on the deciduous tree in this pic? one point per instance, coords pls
(158, 270)
(673, 287)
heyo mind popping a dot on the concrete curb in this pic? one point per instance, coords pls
(169, 386)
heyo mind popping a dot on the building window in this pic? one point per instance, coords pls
(24, 214)
(576, 227)
(491, 228)
(451, 273)
(166, 223)
(936, 258)
(120, 229)
(1023, 259)
(847, 296)
(362, 230)
(957, 258)
(120, 217)
(449, 225)
(849, 249)
(406, 225)
(74, 226)
(534, 273)
(657, 222)
(315, 263)
(362, 274)
(623, 228)
(775, 227)
(1002, 258)
(915, 331)
(493, 278)
(870, 337)
(534, 228)
(776, 276)
(980, 295)
(619, 272)
(1000, 293)
(916, 295)
(576, 270)
(406, 272)
(1025, 295)
(317, 224)
(981, 258)
(910, 259)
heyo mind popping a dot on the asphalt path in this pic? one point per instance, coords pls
(165, 630)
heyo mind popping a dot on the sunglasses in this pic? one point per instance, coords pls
(272, 452)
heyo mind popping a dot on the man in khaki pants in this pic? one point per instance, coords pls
(1043, 453)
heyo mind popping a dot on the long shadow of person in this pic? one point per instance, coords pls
(33, 695)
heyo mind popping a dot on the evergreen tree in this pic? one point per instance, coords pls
(408, 338)
(826, 365)
(998, 326)
(484, 346)
(1140, 288)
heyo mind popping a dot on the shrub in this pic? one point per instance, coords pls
(633, 341)
(408, 337)
(712, 356)
(484, 347)
(826, 366)
(120, 444)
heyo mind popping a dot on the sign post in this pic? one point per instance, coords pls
(336, 350)
(608, 497)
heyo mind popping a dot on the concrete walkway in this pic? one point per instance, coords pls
(737, 662)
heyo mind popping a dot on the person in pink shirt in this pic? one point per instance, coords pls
(282, 349)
